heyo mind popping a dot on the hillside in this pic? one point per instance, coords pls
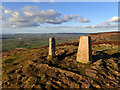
(29, 68)
(104, 38)
(107, 36)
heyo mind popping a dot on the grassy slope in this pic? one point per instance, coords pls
(31, 69)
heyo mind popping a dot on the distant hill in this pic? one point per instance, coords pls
(106, 37)
(115, 32)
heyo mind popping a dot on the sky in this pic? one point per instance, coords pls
(59, 17)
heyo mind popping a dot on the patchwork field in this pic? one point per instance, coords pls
(19, 41)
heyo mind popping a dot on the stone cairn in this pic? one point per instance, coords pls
(84, 53)
(51, 46)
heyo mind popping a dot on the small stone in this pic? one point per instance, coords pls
(91, 73)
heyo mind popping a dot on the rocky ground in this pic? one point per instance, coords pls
(30, 68)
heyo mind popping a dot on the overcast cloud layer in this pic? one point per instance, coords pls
(30, 16)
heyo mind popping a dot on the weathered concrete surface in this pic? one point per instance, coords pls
(84, 54)
(52, 46)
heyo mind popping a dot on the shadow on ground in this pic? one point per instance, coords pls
(102, 55)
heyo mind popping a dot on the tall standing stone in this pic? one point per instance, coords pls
(84, 54)
(51, 46)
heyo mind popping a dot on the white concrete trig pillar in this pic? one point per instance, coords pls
(51, 46)
(84, 53)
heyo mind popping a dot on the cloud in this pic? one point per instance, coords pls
(101, 26)
(113, 19)
(2, 7)
(2, 18)
(32, 16)
(7, 11)
(30, 8)
(52, 0)
(111, 23)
